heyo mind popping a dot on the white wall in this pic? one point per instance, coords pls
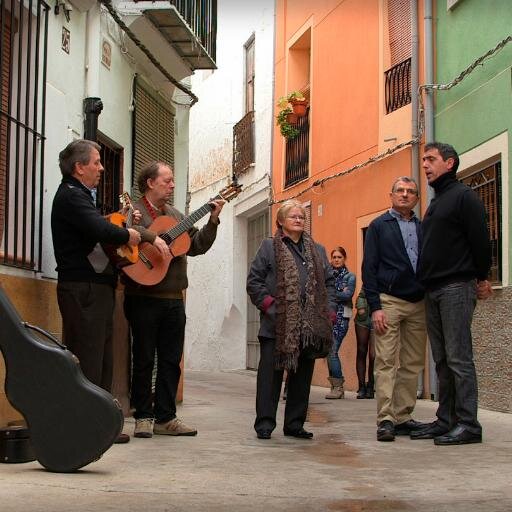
(216, 298)
(79, 74)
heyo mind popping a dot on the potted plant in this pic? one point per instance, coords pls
(292, 107)
(298, 103)
(286, 119)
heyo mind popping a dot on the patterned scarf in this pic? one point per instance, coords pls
(299, 323)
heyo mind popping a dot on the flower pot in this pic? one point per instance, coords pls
(292, 118)
(299, 107)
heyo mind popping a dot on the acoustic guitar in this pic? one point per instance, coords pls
(152, 267)
(125, 254)
(71, 421)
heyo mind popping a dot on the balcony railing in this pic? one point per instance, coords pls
(398, 86)
(201, 16)
(243, 144)
(297, 153)
(191, 28)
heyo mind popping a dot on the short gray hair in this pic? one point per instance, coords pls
(78, 151)
(405, 179)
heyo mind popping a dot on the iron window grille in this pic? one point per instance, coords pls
(297, 153)
(23, 57)
(487, 184)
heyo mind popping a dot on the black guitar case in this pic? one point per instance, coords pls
(71, 421)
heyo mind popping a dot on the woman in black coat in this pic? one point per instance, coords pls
(291, 283)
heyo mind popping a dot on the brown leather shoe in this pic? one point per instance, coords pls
(122, 439)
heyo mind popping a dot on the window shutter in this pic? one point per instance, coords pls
(154, 133)
(399, 23)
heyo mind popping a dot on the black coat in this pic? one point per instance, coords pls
(456, 244)
(386, 265)
(77, 229)
(261, 283)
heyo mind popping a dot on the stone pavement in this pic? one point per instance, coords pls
(226, 468)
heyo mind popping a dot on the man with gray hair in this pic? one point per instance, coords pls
(395, 299)
(86, 278)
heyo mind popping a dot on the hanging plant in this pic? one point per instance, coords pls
(291, 107)
(288, 130)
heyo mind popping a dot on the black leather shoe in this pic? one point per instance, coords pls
(458, 435)
(264, 434)
(429, 432)
(405, 428)
(361, 392)
(301, 433)
(385, 431)
(122, 439)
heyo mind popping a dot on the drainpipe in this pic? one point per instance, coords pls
(92, 105)
(92, 110)
(415, 170)
(429, 72)
(429, 137)
(270, 225)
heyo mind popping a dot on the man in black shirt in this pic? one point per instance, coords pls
(86, 278)
(454, 265)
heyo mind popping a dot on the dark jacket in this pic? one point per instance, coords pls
(77, 230)
(344, 286)
(386, 265)
(261, 284)
(455, 244)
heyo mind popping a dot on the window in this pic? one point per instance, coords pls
(486, 183)
(249, 74)
(23, 48)
(110, 187)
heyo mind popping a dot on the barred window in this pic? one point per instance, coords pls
(23, 49)
(487, 184)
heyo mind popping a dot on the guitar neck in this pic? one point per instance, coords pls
(186, 223)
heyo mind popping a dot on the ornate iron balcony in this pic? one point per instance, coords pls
(243, 144)
(398, 86)
(297, 153)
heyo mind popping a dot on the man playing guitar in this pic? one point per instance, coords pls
(156, 313)
(86, 278)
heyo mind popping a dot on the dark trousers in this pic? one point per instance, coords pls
(268, 389)
(87, 310)
(157, 325)
(449, 316)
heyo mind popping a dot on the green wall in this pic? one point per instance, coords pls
(480, 107)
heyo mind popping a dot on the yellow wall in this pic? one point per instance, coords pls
(36, 302)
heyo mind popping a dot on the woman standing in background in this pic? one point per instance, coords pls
(345, 285)
(365, 345)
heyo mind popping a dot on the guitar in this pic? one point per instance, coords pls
(125, 254)
(71, 421)
(152, 267)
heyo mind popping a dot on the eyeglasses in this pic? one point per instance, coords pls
(401, 190)
(296, 217)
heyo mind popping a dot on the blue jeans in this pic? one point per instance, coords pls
(449, 316)
(333, 359)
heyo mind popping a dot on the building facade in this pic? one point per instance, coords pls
(475, 115)
(231, 138)
(107, 71)
(356, 63)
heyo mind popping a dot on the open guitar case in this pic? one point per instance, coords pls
(71, 422)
